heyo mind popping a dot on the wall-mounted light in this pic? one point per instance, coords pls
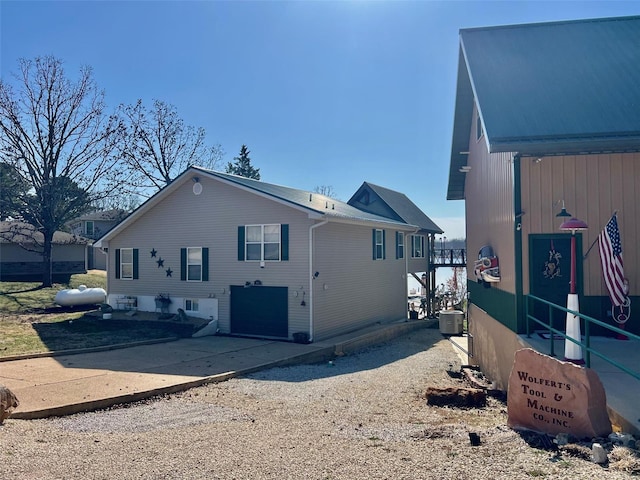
(315, 275)
(563, 212)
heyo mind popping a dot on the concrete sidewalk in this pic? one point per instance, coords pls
(66, 384)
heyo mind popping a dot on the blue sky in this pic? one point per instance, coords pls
(322, 93)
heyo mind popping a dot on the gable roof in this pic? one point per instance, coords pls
(403, 208)
(115, 214)
(314, 204)
(24, 233)
(549, 89)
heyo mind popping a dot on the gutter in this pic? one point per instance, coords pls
(311, 278)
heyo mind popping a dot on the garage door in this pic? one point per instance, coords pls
(260, 311)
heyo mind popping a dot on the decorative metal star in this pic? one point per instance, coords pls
(169, 272)
(153, 253)
(160, 262)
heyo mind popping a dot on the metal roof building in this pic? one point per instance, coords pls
(548, 89)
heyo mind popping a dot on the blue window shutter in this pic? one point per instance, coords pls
(374, 243)
(136, 269)
(205, 264)
(183, 264)
(397, 245)
(384, 244)
(284, 242)
(117, 263)
(241, 243)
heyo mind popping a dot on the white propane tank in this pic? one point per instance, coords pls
(80, 296)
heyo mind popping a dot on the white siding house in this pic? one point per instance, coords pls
(262, 259)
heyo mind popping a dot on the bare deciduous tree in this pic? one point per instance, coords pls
(326, 190)
(159, 146)
(54, 132)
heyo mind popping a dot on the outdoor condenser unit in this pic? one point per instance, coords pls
(451, 322)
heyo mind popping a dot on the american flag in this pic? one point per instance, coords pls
(611, 260)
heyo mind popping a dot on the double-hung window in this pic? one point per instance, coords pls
(127, 263)
(378, 244)
(260, 243)
(399, 244)
(88, 228)
(194, 264)
(417, 246)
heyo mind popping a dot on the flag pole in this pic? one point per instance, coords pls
(584, 257)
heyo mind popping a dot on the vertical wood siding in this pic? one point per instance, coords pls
(489, 209)
(593, 187)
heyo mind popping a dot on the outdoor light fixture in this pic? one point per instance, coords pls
(563, 213)
(573, 351)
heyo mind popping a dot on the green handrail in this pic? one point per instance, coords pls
(587, 335)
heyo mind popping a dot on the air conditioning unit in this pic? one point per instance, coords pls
(451, 322)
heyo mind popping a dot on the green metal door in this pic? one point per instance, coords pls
(550, 273)
(260, 311)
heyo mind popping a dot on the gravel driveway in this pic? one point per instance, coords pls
(362, 417)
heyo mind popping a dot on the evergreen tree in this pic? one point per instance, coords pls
(242, 165)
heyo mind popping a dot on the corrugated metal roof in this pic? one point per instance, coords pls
(550, 88)
(403, 207)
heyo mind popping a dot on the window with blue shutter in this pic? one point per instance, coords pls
(264, 242)
(127, 267)
(378, 244)
(399, 245)
(194, 264)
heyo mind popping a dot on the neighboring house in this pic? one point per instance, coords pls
(545, 114)
(93, 226)
(391, 204)
(21, 257)
(262, 259)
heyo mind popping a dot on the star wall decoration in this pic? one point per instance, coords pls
(169, 272)
(160, 262)
(153, 253)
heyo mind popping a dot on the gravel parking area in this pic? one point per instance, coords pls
(363, 416)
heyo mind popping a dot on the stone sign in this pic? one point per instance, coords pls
(550, 396)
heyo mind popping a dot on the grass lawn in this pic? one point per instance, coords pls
(31, 323)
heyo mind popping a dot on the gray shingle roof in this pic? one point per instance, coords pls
(549, 88)
(314, 202)
(24, 233)
(403, 207)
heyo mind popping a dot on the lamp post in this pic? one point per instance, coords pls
(573, 351)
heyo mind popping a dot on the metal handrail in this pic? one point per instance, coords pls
(456, 257)
(587, 336)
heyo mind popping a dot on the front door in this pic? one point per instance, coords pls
(550, 274)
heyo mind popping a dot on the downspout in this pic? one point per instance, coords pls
(517, 209)
(311, 278)
(406, 266)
